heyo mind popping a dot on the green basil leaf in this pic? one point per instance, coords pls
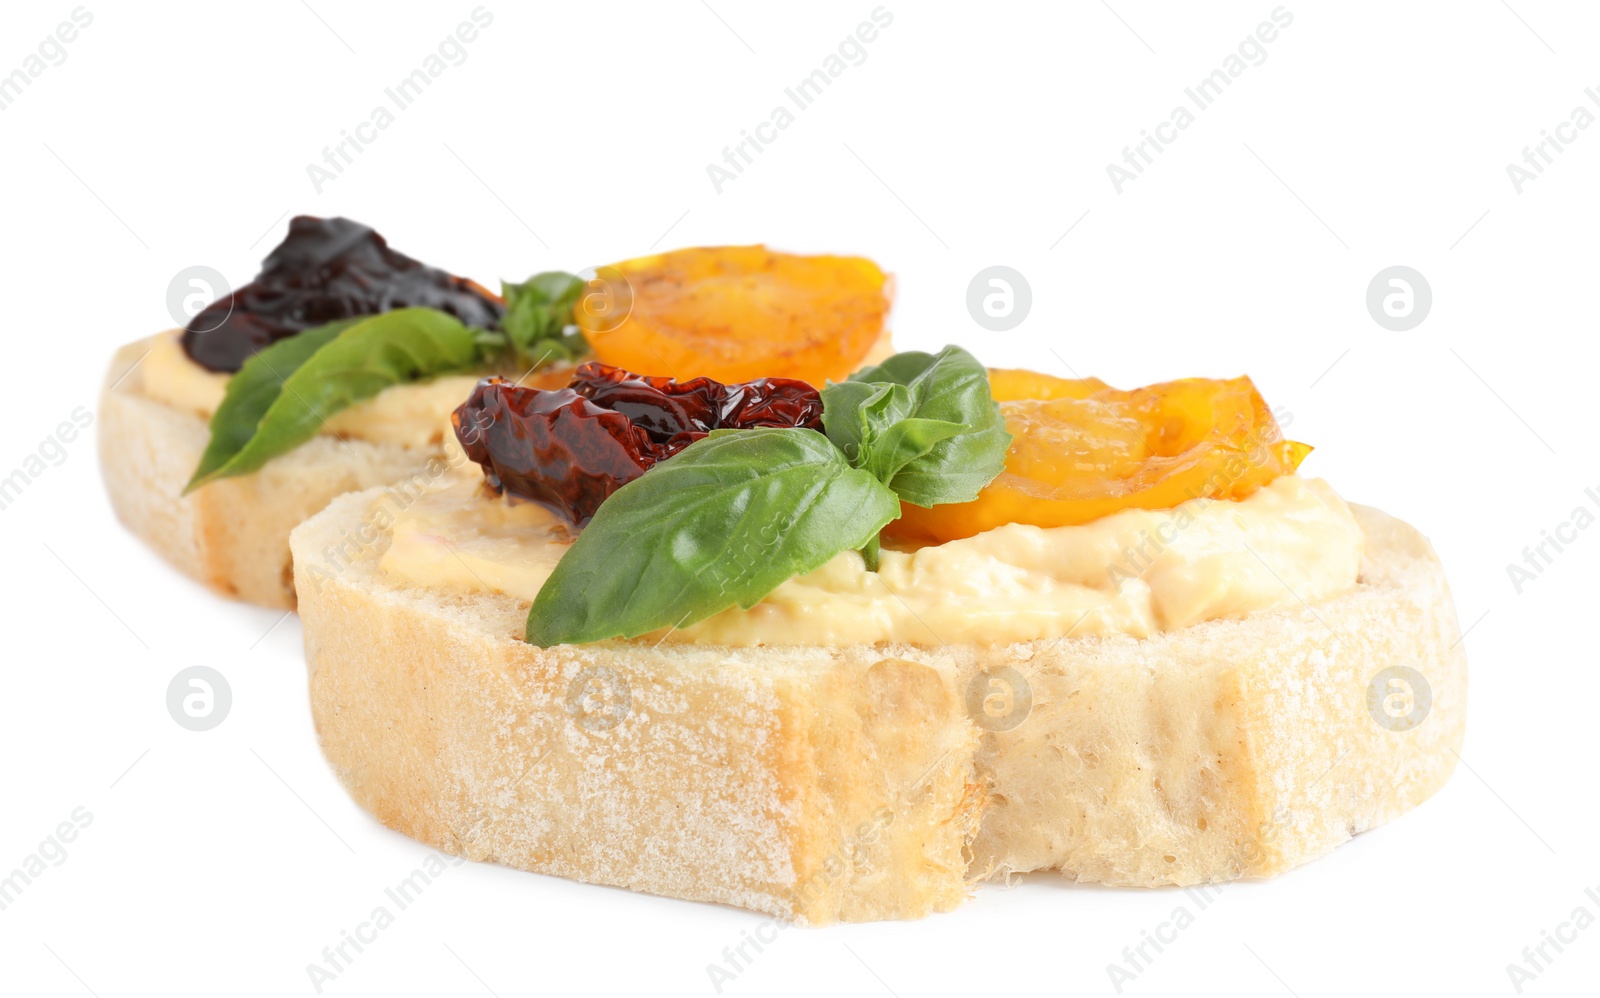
(364, 357)
(537, 313)
(957, 469)
(253, 389)
(872, 423)
(721, 524)
(924, 423)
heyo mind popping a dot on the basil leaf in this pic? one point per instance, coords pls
(872, 423)
(924, 423)
(722, 523)
(252, 390)
(363, 358)
(537, 313)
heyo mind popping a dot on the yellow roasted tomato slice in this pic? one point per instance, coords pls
(1083, 449)
(736, 313)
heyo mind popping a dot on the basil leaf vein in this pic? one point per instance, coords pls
(252, 390)
(283, 395)
(924, 423)
(721, 524)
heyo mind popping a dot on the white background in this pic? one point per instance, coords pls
(1373, 134)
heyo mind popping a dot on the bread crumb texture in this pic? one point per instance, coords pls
(233, 534)
(861, 782)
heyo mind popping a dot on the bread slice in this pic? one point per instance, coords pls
(863, 782)
(233, 534)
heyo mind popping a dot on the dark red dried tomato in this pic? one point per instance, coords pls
(556, 448)
(326, 269)
(677, 413)
(570, 449)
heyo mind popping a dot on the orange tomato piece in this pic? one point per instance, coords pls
(1083, 449)
(734, 313)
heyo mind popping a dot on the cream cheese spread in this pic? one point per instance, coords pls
(412, 415)
(1134, 572)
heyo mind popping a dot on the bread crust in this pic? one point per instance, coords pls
(233, 534)
(822, 784)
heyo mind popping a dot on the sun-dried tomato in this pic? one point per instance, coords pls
(677, 413)
(569, 449)
(326, 269)
(554, 447)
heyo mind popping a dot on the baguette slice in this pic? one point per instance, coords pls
(821, 784)
(233, 534)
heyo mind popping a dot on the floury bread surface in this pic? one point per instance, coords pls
(233, 534)
(880, 781)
